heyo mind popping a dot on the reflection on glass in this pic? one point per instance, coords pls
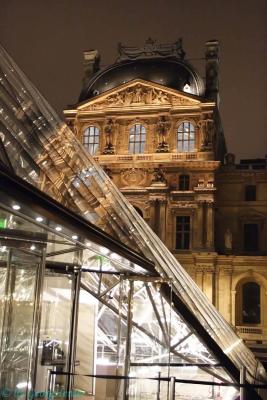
(85, 343)
(54, 331)
(18, 321)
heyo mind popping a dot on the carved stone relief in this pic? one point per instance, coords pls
(133, 177)
(140, 95)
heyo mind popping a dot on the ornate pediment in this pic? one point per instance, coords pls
(138, 93)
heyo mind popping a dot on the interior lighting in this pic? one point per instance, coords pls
(58, 228)
(74, 237)
(39, 219)
(16, 207)
(33, 247)
(22, 385)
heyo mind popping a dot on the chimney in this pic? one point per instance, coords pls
(91, 60)
(212, 70)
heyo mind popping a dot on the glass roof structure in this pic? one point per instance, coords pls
(41, 156)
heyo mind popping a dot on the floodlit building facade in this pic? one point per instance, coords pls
(153, 124)
(93, 304)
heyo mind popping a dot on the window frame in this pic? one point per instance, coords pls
(138, 144)
(91, 131)
(188, 144)
(184, 182)
(254, 223)
(250, 195)
(259, 320)
(183, 231)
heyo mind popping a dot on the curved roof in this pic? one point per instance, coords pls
(171, 72)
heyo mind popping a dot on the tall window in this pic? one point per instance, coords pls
(251, 293)
(91, 139)
(250, 193)
(182, 232)
(137, 139)
(184, 182)
(186, 137)
(251, 237)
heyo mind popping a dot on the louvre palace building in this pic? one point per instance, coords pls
(154, 125)
(133, 250)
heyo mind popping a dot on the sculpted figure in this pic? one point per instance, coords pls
(206, 127)
(159, 175)
(163, 127)
(228, 240)
(109, 129)
(128, 97)
(138, 94)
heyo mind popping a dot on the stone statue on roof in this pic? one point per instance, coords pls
(151, 49)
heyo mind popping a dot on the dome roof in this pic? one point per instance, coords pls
(170, 72)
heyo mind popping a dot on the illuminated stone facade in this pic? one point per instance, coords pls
(163, 146)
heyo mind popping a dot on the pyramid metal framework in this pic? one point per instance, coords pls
(38, 147)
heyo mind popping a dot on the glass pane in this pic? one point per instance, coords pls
(18, 322)
(85, 343)
(54, 331)
(251, 303)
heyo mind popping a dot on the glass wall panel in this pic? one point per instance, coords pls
(85, 359)
(54, 331)
(17, 371)
(3, 273)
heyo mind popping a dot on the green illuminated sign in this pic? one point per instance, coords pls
(2, 223)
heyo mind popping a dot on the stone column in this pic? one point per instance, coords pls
(152, 214)
(198, 227)
(233, 307)
(210, 227)
(225, 297)
(162, 220)
(208, 283)
(199, 278)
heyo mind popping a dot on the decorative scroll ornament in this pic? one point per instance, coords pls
(163, 127)
(109, 130)
(133, 177)
(151, 49)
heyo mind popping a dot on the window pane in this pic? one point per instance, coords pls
(186, 137)
(184, 182)
(250, 193)
(182, 232)
(137, 139)
(251, 303)
(251, 237)
(91, 139)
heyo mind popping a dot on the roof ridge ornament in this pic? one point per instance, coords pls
(151, 49)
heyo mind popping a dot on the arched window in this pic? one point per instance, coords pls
(186, 137)
(137, 139)
(184, 182)
(91, 139)
(251, 298)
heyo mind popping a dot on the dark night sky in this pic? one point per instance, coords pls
(47, 37)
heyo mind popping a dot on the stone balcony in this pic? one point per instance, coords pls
(252, 333)
(147, 158)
